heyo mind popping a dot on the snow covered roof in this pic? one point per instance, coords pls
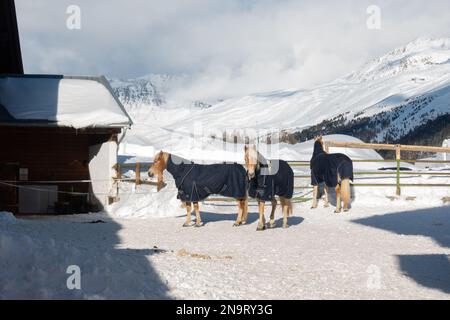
(68, 101)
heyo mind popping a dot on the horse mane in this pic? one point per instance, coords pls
(318, 148)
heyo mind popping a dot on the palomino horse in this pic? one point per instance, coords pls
(336, 170)
(268, 179)
(196, 182)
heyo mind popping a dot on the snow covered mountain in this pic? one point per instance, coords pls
(403, 96)
(151, 90)
(419, 70)
(134, 93)
(417, 108)
(418, 55)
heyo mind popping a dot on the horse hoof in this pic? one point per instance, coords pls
(198, 225)
(285, 226)
(272, 225)
(261, 228)
(337, 211)
(345, 210)
(326, 205)
(186, 225)
(244, 222)
(314, 207)
(236, 224)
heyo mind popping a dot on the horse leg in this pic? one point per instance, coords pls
(245, 210)
(327, 202)
(291, 210)
(198, 222)
(240, 213)
(262, 220)
(315, 192)
(338, 199)
(345, 190)
(272, 213)
(188, 216)
(285, 206)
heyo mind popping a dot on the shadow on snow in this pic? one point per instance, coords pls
(429, 270)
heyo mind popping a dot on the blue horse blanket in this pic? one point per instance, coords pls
(266, 185)
(329, 168)
(195, 182)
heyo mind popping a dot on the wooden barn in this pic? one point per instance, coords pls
(59, 134)
(59, 143)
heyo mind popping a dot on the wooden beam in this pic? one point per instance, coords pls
(424, 149)
(138, 173)
(358, 145)
(398, 158)
(383, 146)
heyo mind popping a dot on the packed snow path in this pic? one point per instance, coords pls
(368, 253)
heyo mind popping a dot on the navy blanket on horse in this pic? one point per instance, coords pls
(329, 168)
(195, 182)
(265, 186)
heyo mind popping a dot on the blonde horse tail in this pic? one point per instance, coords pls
(345, 192)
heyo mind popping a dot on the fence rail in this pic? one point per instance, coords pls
(396, 173)
(398, 149)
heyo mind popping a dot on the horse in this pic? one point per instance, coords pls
(266, 181)
(196, 182)
(336, 170)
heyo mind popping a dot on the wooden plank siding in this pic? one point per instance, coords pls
(50, 154)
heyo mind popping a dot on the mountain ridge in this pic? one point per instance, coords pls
(384, 100)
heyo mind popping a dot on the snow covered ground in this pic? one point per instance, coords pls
(386, 247)
(384, 252)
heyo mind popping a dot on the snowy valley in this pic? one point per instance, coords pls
(401, 97)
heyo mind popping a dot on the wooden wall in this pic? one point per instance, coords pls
(50, 154)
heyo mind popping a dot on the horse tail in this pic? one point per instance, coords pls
(345, 191)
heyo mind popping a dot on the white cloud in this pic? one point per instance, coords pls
(225, 48)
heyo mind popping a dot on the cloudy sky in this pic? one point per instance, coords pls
(224, 47)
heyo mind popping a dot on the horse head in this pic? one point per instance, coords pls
(318, 145)
(158, 167)
(251, 160)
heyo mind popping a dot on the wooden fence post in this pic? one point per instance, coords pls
(397, 158)
(138, 173)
